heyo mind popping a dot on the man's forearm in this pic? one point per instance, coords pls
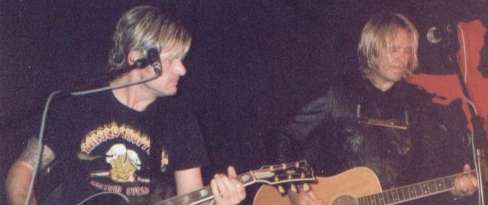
(20, 173)
(17, 183)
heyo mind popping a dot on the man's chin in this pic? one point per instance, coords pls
(170, 92)
(397, 77)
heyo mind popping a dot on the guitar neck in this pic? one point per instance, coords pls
(204, 194)
(298, 171)
(410, 192)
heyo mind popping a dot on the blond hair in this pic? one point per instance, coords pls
(143, 28)
(374, 38)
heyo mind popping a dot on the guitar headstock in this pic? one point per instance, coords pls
(298, 171)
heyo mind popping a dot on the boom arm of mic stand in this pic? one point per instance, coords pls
(477, 142)
(478, 137)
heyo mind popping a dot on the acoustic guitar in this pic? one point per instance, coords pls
(360, 186)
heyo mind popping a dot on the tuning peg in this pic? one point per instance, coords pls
(293, 188)
(306, 187)
(281, 189)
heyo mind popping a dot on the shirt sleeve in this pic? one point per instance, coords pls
(189, 145)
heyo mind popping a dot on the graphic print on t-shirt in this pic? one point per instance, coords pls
(117, 156)
(124, 163)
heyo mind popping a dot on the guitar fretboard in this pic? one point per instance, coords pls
(410, 192)
(203, 194)
(274, 174)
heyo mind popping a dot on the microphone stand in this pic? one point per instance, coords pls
(478, 138)
(476, 149)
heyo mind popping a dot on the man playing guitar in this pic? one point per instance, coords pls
(131, 139)
(378, 120)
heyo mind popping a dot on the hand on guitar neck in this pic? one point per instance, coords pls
(227, 189)
(465, 185)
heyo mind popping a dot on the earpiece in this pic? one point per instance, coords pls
(152, 56)
(141, 63)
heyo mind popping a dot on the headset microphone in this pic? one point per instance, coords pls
(151, 58)
(157, 67)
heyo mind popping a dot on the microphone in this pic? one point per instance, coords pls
(151, 58)
(434, 35)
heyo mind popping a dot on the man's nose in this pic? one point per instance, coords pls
(180, 69)
(403, 58)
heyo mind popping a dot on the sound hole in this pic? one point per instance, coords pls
(345, 200)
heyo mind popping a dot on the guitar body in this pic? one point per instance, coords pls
(105, 198)
(341, 189)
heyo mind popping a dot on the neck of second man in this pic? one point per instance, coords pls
(134, 97)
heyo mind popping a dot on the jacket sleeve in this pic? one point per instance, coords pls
(445, 141)
(290, 137)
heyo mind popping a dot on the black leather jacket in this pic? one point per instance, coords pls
(337, 131)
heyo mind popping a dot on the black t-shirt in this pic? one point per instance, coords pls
(103, 146)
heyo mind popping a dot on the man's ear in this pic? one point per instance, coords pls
(133, 56)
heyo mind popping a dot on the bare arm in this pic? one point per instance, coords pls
(17, 183)
(188, 180)
(20, 173)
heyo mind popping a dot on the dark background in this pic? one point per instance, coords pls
(252, 62)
